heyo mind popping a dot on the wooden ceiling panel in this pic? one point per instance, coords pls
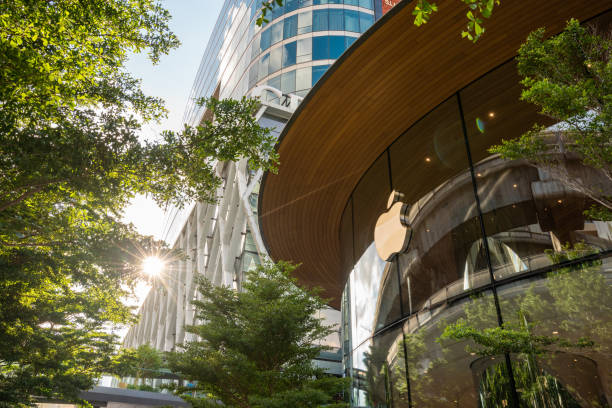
(392, 76)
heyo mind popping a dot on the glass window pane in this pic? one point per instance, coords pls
(277, 11)
(317, 73)
(290, 27)
(350, 41)
(319, 2)
(369, 201)
(275, 60)
(249, 243)
(519, 204)
(303, 78)
(253, 75)
(263, 66)
(305, 3)
(276, 32)
(289, 51)
(336, 20)
(351, 2)
(288, 82)
(319, 20)
(336, 46)
(255, 47)
(320, 48)
(304, 22)
(366, 4)
(377, 368)
(274, 83)
(365, 21)
(290, 5)
(304, 50)
(445, 256)
(461, 376)
(351, 20)
(265, 40)
(335, 1)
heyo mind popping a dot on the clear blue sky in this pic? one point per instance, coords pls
(171, 79)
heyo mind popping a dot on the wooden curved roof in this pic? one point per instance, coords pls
(392, 76)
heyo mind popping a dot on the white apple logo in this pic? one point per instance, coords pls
(392, 233)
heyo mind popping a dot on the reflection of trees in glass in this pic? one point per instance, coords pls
(557, 331)
(558, 322)
(377, 375)
(418, 368)
(385, 388)
(569, 312)
(537, 388)
(436, 378)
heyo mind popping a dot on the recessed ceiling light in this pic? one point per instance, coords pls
(491, 114)
(427, 159)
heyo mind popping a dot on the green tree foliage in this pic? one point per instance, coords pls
(423, 10)
(569, 77)
(70, 161)
(255, 348)
(140, 363)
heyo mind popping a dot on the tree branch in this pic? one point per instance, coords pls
(4, 206)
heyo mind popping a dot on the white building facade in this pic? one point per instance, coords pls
(278, 63)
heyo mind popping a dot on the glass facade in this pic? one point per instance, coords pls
(495, 243)
(240, 55)
(288, 53)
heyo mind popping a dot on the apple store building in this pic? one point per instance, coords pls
(464, 279)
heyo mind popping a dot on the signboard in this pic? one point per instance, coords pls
(388, 5)
(290, 101)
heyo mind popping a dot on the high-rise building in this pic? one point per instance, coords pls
(278, 63)
(391, 200)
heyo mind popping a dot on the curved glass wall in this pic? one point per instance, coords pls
(495, 243)
(293, 51)
(241, 55)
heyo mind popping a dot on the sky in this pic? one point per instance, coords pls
(171, 79)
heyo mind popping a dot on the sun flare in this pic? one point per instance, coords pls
(152, 266)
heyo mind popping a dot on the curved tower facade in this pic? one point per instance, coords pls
(290, 53)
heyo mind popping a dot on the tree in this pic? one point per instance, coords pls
(140, 363)
(569, 77)
(255, 348)
(70, 160)
(422, 12)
